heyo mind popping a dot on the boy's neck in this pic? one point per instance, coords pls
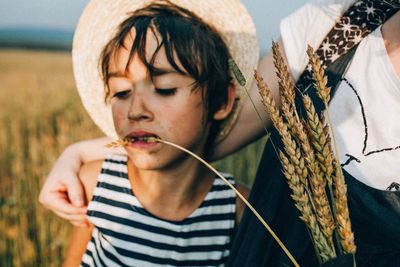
(171, 194)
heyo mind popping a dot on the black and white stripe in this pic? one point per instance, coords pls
(125, 234)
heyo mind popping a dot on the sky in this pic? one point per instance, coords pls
(64, 14)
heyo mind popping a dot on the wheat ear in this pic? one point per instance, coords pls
(297, 162)
(319, 139)
(342, 214)
(117, 143)
(323, 91)
(317, 182)
(286, 83)
(286, 88)
(343, 217)
(237, 73)
(319, 77)
(302, 203)
(320, 199)
(290, 145)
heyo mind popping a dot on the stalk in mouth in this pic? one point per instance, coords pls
(148, 139)
(128, 140)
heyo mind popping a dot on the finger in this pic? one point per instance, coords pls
(59, 203)
(47, 192)
(75, 191)
(80, 224)
(76, 218)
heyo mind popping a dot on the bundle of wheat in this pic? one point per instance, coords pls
(309, 160)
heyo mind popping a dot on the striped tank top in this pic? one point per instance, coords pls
(125, 234)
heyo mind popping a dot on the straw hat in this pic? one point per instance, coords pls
(98, 25)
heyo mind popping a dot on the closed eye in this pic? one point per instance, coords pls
(166, 91)
(122, 94)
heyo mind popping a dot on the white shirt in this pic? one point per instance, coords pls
(372, 87)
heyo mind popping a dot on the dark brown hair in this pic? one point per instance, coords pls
(198, 47)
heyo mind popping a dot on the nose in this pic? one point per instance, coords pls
(139, 108)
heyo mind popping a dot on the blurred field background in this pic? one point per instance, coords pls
(41, 114)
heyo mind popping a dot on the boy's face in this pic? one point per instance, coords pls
(165, 106)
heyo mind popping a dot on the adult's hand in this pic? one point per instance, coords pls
(63, 192)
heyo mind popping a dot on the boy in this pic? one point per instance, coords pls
(165, 75)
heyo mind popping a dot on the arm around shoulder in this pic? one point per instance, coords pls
(80, 236)
(62, 191)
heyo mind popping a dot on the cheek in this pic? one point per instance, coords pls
(190, 118)
(119, 115)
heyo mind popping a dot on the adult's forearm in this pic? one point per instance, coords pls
(93, 149)
(251, 126)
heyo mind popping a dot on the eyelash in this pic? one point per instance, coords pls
(166, 91)
(162, 92)
(122, 94)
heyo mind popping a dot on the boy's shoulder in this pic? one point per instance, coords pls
(88, 174)
(240, 205)
(243, 189)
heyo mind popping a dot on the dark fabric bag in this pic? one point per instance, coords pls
(341, 261)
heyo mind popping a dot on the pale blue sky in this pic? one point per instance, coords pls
(64, 14)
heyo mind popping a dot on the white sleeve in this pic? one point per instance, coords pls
(308, 26)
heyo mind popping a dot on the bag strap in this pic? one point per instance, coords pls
(363, 17)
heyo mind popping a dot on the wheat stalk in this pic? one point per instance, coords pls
(317, 182)
(323, 91)
(286, 83)
(303, 204)
(123, 142)
(320, 199)
(314, 147)
(343, 217)
(341, 209)
(297, 161)
(319, 77)
(321, 143)
(319, 139)
(286, 88)
(290, 145)
(117, 143)
(237, 73)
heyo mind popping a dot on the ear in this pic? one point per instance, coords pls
(226, 108)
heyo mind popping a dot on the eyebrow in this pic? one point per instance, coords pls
(117, 74)
(155, 72)
(162, 71)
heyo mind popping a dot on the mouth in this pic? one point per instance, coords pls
(141, 137)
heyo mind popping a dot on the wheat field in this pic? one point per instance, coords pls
(41, 114)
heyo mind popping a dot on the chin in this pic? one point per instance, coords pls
(153, 163)
(145, 164)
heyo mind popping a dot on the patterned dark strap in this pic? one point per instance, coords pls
(363, 17)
